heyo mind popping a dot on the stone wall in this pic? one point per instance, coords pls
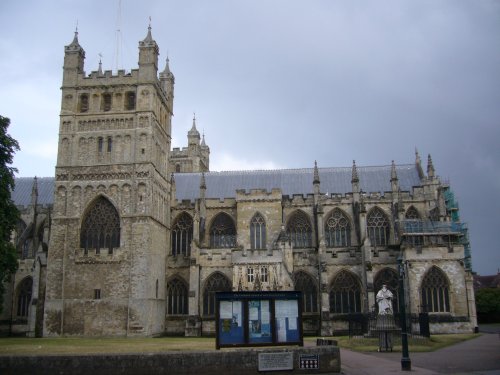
(243, 362)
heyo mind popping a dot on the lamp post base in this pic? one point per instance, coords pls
(405, 364)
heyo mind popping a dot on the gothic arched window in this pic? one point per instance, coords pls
(337, 230)
(222, 232)
(24, 247)
(182, 235)
(434, 214)
(413, 224)
(257, 232)
(130, 101)
(345, 293)
(378, 227)
(412, 214)
(307, 285)
(389, 277)
(24, 297)
(177, 297)
(435, 291)
(84, 103)
(215, 283)
(299, 230)
(106, 102)
(100, 227)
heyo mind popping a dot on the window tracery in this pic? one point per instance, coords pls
(177, 297)
(435, 291)
(345, 294)
(307, 285)
(378, 227)
(24, 297)
(338, 230)
(215, 283)
(257, 232)
(100, 227)
(414, 223)
(182, 235)
(222, 232)
(299, 230)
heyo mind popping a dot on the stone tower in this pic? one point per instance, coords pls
(195, 157)
(106, 266)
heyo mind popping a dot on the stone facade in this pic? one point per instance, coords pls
(138, 238)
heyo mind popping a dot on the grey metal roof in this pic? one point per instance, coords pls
(224, 184)
(294, 181)
(24, 185)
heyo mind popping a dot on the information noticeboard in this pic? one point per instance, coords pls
(258, 318)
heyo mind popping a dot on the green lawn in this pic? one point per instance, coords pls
(47, 346)
(415, 344)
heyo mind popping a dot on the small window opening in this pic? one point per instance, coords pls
(110, 144)
(97, 293)
(106, 102)
(99, 144)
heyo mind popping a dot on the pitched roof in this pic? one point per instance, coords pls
(224, 184)
(294, 181)
(24, 185)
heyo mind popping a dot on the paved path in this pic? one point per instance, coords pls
(477, 356)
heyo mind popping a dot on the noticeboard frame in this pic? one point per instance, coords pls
(258, 319)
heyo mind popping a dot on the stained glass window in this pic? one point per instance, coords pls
(258, 232)
(100, 227)
(222, 232)
(24, 297)
(345, 293)
(337, 230)
(215, 283)
(299, 230)
(435, 291)
(182, 235)
(307, 285)
(378, 227)
(177, 297)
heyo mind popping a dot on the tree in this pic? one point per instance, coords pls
(9, 214)
(488, 305)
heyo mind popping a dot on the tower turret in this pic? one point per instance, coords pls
(74, 57)
(148, 58)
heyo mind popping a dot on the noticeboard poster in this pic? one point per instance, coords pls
(258, 318)
(259, 322)
(231, 330)
(286, 315)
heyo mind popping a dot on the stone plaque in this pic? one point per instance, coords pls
(309, 361)
(275, 361)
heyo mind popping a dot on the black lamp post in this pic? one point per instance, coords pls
(405, 358)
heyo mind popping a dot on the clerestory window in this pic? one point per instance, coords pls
(257, 232)
(222, 232)
(299, 230)
(337, 230)
(182, 235)
(378, 227)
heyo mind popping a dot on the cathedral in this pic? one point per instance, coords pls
(134, 238)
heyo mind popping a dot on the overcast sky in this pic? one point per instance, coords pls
(279, 84)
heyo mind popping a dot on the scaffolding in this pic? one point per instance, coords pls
(454, 212)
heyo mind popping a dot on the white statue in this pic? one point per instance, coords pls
(384, 300)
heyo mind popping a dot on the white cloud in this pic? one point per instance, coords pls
(227, 162)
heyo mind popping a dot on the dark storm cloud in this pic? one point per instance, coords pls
(284, 83)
